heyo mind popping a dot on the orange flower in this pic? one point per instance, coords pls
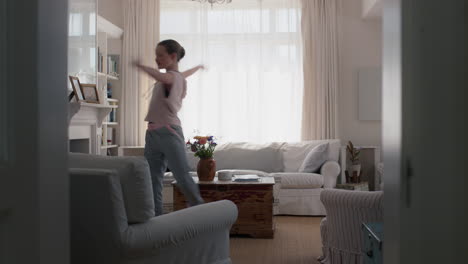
(202, 140)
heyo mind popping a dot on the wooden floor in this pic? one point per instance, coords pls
(296, 241)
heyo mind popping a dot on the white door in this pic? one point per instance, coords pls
(425, 131)
(34, 218)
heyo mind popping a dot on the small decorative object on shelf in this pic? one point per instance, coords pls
(203, 147)
(112, 116)
(112, 65)
(110, 136)
(109, 90)
(100, 60)
(353, 172)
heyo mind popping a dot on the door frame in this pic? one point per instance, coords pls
(34, 184)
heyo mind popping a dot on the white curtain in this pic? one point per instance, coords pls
(252, 89)
(141, 34)
(319, 33)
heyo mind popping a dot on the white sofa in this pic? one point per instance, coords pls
(295, 193)
(112, 218)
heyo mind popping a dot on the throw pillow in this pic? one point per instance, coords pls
(315, 158)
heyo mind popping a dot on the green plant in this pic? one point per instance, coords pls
(353, 152)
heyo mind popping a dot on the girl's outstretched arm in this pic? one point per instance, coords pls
(166, 78)
(191, 71)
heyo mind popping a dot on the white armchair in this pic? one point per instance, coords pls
(341, 231)
(101, 230)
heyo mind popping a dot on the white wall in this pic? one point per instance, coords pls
(112, 11)
(359, 46)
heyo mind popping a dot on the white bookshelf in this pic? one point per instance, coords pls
(109, 43)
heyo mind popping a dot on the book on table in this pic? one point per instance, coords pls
(245, 177)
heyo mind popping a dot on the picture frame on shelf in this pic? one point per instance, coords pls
(90, 93)
(77, 90)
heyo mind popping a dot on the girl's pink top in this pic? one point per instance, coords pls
(163, 110)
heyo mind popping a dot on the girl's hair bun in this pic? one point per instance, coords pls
(173, 46)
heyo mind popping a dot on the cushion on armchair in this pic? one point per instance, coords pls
(134, 177)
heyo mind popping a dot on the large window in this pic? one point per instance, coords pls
(252, 88)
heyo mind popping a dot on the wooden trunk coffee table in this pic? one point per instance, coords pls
(254, 202)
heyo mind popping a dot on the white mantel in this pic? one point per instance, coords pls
(86, 123)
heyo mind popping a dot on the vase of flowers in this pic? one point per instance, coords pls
(203, 148)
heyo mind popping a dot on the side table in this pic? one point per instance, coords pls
(362, 186)
(370, 159)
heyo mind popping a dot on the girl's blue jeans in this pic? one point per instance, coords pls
(164, 147)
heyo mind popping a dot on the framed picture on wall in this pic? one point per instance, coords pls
(90, 93)
(76, 85)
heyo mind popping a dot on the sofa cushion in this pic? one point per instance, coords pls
(294, 153)
(135, 179)
(297, 180)
(248, 156)
(315, 158)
